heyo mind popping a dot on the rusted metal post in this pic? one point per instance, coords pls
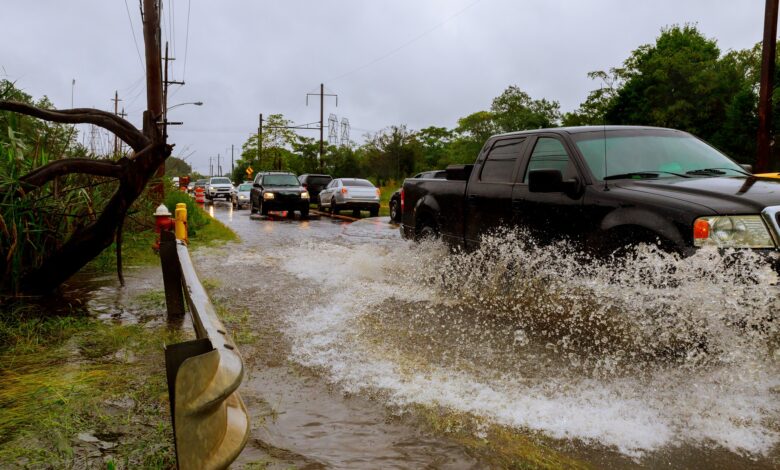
(765, 94)
(171, 268)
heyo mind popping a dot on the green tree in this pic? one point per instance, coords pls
(594, 109)
(177, 167)
(677, 82)
(515, 110)
(435, 145)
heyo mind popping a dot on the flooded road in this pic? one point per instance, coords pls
(352, 335)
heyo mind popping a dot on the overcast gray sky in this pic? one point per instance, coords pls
(414, 62)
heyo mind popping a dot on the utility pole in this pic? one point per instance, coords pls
(260, 143)
(154, 92)
(232, 165)
(219, 165)
(765, 94)
(116, 101)
(211, 168)
(322, 96)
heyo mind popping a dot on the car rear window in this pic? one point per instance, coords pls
(355, 182)
(245, 187)
(318, 179)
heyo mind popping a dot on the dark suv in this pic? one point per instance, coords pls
(278, 191)
(314, 184)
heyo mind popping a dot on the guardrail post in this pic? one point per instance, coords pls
(210, 421)
(171, 269)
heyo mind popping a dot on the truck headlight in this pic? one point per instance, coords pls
(268, 196)
(732, 231)
(305, 195)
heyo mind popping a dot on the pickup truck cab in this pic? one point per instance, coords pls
(602, 187)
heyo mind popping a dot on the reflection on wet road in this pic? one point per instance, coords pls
(351, 329)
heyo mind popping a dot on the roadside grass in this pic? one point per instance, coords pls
(236, 321)
(63, 376)
(203, 229)
(499, 446)
(66, 374)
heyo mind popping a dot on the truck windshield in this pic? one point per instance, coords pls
(220, 181)
(648, 153)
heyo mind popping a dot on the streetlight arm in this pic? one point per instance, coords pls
(196, 103)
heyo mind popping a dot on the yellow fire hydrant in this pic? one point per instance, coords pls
(181, 222)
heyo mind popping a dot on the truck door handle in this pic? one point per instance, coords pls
(473, 198)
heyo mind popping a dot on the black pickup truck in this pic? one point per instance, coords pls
(601, 187)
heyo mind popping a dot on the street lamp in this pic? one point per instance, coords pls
(196, 103)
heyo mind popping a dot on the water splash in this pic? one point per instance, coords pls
(641, 353)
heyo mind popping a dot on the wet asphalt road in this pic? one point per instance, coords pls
(298, 418)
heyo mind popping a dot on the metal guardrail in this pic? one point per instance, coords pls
(210, 421)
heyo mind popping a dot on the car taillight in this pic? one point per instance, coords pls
(402, 200)
(343, 190)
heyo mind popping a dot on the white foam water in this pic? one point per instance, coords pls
(639, 354)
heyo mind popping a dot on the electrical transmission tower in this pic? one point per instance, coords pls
(344, 131)
(333, 129)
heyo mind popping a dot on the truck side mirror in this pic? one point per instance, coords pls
(255, 185)
(545, 181)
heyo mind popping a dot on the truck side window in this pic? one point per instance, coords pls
(549, 154)
(500, 162)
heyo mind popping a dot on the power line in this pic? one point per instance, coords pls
(186, 40)
(407, 43)
(132, 30)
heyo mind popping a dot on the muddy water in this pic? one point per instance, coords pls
(661, 362)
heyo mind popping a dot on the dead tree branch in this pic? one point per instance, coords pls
(87, 166)
(123, 129)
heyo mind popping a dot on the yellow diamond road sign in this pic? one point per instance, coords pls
(249, 171)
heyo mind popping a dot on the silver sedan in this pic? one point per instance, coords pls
(350, 194)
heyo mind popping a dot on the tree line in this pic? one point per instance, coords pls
(682, 81)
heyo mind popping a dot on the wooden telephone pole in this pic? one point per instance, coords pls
(116, 101)
(769, 46)
(322, 96)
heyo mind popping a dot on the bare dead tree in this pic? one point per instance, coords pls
(133, 173)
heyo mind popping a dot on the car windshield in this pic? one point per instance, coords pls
(245, 187)
(354, 182)
(280, 180)
(220, 181)
(647, 153)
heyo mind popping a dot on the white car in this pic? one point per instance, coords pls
(350, 193)
(241, 195)
(219, 187)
